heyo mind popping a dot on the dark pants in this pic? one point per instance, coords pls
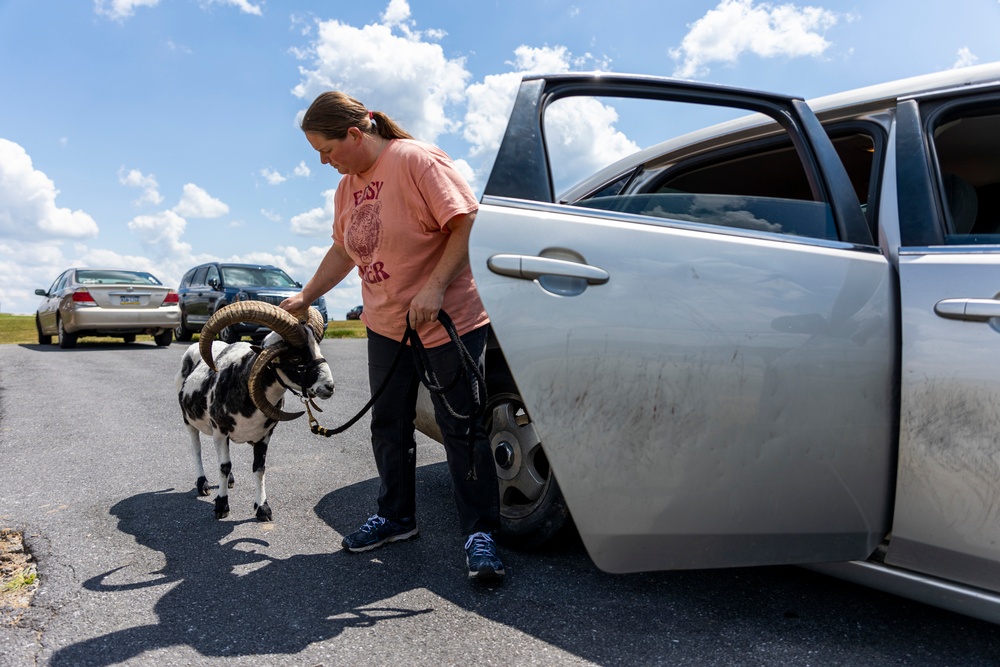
(393, 433)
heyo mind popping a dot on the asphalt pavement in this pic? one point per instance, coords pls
(135, 570)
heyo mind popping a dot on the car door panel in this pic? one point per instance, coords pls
(705, 398)
(947, 516)
(947, 507)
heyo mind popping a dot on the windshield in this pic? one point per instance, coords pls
(249, 276)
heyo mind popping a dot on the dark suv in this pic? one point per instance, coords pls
(208, 287)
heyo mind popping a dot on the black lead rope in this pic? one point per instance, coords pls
(467, 369)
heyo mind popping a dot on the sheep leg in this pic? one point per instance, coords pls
(225, 472)
(202, 482)
(259, 457)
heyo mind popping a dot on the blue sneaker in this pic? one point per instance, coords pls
(378, 531)
(481, 557)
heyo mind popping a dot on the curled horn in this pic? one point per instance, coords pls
(257, 393)
(258, 312)
(316, 323)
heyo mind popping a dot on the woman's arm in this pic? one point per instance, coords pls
(335, 266)
(425, 305)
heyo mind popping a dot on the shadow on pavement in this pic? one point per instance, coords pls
(281, 606)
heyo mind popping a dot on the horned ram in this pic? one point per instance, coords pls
(235, 392)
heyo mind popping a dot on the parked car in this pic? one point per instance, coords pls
(208, 287)
(106, 302)
(767, 342)
(355, 313)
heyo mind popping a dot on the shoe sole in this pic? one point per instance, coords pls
(375, 545)
(487, 575)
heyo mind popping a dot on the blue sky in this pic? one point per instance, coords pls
(158, 134)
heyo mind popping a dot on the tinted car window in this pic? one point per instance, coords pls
(761, 186)
(101, 277)
(242, 276)
(967, 150)
(211, 274)
(199, 276)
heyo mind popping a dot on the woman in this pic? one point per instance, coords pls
(402, 216)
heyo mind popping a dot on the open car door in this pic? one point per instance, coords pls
(709, 362)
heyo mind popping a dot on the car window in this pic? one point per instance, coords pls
(249, 276)
(967, 151)
(757, 185)
(212, 273)
(199, 276)
(59, 283)
(105, 277)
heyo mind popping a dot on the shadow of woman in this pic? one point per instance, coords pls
(227, 598)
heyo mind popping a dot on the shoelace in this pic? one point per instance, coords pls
(373, 523)
(482, 544)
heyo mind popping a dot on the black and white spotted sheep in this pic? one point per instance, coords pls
(235, 392)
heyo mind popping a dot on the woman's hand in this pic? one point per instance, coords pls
(426, 305)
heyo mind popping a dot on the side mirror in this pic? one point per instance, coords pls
(213, 283)
(41, 292)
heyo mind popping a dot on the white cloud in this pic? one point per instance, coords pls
(965, 58)
(302, 170)
(119, 10)
(318, 221)
(419, 90)
(196, 203)
(736, 27)
(584, 126)
(136, 179)
(243, 5)
(270, 215)
(161, 233)
(28, 202)
(271, 176)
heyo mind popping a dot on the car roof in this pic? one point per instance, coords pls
(868, 99)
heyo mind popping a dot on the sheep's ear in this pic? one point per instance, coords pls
(257, 349)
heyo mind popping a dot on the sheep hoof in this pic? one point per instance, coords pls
(202, 485)
(221, 507)
(232, 480)
(263, 511)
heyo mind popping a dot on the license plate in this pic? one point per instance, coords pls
(129, 300)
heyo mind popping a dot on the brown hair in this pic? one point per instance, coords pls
(333, 113)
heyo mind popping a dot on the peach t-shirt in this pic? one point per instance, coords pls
(391, 220)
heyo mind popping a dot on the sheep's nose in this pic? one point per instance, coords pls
(324, 390)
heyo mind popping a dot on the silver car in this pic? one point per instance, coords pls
(113, 303)
(767, 342)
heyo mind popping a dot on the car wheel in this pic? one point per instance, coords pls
(229, 335)
(532, 507)
(164, 338)
(43, 339)
(182, 333)
(130, 338)
(66, 340)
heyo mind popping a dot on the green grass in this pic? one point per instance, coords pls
(20, 329)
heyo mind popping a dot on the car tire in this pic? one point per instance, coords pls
(532, 507)
(229, 335)
(182, 333)
(43, 339)
(66, 340)
(164, 338)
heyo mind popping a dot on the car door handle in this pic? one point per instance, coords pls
(530, 267)
(976, 310)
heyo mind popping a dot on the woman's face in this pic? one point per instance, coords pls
(341, 154)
